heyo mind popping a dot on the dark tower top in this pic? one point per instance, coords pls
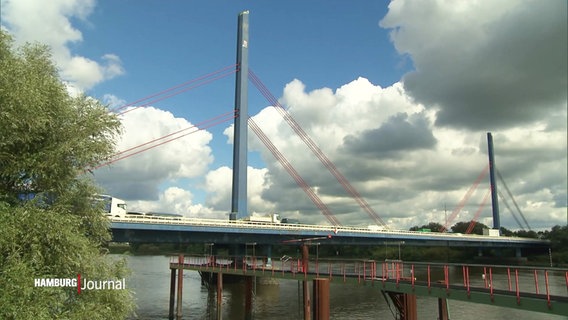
(239, 208)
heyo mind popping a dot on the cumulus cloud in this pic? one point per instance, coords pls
(139, 176)
(412, 149)
(483, 65)
(49, 22)
(407, 168)
(174, 200)
(400, 133)
(218, 184)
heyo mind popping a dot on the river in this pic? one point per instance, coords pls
(151, 276)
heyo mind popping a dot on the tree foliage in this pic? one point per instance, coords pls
(432, 226)
(461, 227)
(47, 136)
(47, 139)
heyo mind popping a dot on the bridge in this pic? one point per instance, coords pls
(400, 281)
(525, 288)
(192, 230)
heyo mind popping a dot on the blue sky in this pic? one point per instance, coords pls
(399, 95)
(161, 44)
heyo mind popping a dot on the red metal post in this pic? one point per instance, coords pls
(509, 277)
(464, 280)
(467, 276)
(491, 284)
(429, 283)
(447, 277)
(547, 290)
(305, 258)
(517, 286)
(536, 281)
(321, 299)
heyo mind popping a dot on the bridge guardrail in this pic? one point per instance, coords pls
(548, 284)
(331, 230)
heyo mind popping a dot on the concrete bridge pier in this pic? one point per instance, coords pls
(172, 293)
(405, 304)
(248, 297)
(321, 299)
(178, 312)
(219, 294)
(443, 309)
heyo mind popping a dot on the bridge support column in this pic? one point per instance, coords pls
(405, 304)
(321, 299)
(306, 288)
(219, 294)
(268, 251)
(443, 309)
(180, 287)
(172, 293)
(248, 297)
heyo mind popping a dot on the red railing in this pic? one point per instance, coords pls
(514, 279)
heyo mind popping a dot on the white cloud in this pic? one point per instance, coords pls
(139, 176)
(174, 200)
(484, 65)
(49, 22)
(406, 178)
(218, 187)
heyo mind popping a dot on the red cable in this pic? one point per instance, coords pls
(466, 197)
(316, 150)
(295, 175)
(178, 92)
(478, 212)
(174, 87)
(176, 132)
(164, 142)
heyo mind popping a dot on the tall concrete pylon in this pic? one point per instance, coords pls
(239, 208)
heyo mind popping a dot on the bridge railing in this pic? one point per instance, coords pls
(516, 280)
(324, 229)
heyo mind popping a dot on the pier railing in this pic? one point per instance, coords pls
(469, 281)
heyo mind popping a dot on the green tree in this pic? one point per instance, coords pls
(432, 226)
(526, 234)
(506, 232)
(461, 227)
(47, 139)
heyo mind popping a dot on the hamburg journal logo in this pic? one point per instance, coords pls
(81, 284)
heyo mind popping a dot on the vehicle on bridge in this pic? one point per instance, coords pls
(152, 215)
(269, 218)
(113, 207)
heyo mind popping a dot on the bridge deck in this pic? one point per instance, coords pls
(193, 230)
(526, 288)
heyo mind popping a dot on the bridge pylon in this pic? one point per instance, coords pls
(239, 208)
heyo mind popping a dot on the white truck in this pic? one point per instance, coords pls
(376, 228)
(113, 207)
(269, 218)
